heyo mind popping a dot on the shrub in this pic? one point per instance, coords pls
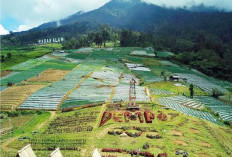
(105, 117)
(39, 112)
(163, 155)
(146, 146)
(67, 110)
(9, 84)
(162, 117)
(140, 115)
(127, 116)
(111, 150)
(149, 116)
(226, 122)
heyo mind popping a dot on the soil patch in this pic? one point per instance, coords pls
(179, 142)
(195, 131)
(5, 72)
(195, 122)
(203, 155)
(204, 144)
(50, 75)
(176, 133)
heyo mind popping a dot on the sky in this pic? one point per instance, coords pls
(20, 15)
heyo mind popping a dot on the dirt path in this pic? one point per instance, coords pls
(5, 144)
(148, 93)
(53, 113)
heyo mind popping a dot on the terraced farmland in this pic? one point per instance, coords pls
(90, 91)
(122, 90)
(50, 75)
(53, 94)
(201, 83)
(169, 103)
(224, 110)
(86, 96)
(31, 72)
(191, 103)
(161, 92)
(12, 97)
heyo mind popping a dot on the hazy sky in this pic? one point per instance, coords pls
(221, 4)
(19, 15)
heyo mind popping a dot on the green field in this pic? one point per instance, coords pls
(22, 54)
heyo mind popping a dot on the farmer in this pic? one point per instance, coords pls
(138, 152)
(185, 154)
(132, 153)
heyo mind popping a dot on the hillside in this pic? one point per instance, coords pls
(77, 101)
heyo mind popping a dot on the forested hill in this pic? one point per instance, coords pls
(200, 37)
(138, 16)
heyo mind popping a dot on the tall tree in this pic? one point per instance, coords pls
(191, 90)
(105, 36)
(163, 73)
(98, 39)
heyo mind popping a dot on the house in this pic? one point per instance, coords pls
(174, 78)
(26, 152)
(56, 153)
(96, 153)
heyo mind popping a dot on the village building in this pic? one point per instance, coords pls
(50, 40)
(174, 78)
(26, 152)
(56, 153)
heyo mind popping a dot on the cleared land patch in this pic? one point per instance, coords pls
(50, 75)
(204, 144)
(176, 133)
(179, 142)
(5, 73)
(195, 131)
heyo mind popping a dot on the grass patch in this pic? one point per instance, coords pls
(78, 55)
(164, 54)
(22, 54)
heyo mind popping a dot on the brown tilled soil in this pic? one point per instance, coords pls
(179, 142)
(195, 131)
(5, 72)
(176, 133)
(204, 144)
(50, 75)
(16, 95)
(195, 122)
(203, 155)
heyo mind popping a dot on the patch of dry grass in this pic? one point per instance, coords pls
(50, 75)
(12, 97)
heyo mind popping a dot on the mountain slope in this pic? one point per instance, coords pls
(132, 14)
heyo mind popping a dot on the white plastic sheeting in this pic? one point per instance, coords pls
(188, 111)
(26, 152)
(201, 83)
(50, 97)
(139, 67)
